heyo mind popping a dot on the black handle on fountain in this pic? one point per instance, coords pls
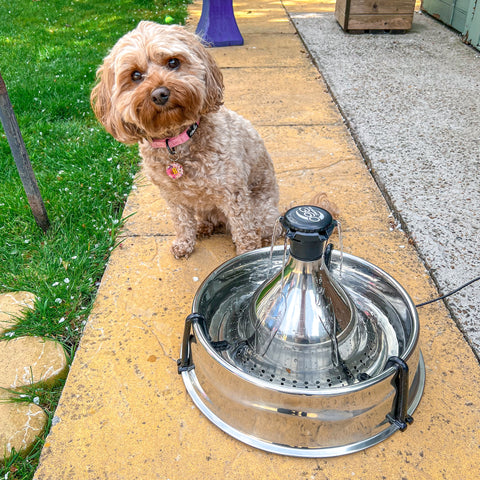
(399, 416)
(307, 227)
(184, 363)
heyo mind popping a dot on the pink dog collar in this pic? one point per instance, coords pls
(171, 143)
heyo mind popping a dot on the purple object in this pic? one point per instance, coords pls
(217, 25)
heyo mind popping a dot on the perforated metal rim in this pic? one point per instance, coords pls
(260, 368)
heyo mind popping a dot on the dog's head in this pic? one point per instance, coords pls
(156, 79)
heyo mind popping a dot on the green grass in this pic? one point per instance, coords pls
(49, 52)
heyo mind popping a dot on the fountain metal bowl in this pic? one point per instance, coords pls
(271, 407)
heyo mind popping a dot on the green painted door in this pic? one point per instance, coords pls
(451, 12)
(472, 27)
(459, 14)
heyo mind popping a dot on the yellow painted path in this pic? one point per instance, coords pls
(125, 414)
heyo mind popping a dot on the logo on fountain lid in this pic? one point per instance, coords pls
(311, 214)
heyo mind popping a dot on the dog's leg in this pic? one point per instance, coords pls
(186, 230)
(264, 195)
(246, 234)
(245, 240)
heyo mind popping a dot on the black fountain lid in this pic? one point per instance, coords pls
(308, 227)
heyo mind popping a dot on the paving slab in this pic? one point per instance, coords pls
(124, 412)
(282, 103)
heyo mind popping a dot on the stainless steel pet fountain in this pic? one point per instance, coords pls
(305, 352)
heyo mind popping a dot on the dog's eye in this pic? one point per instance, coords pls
(173, 63)
(137, 76)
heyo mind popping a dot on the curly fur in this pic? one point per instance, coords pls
(228, 176)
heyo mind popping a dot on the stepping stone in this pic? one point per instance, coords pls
(24, 361)
(30, 360)
(20, 424)
(12, 306)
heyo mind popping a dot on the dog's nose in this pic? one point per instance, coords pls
(160, 95)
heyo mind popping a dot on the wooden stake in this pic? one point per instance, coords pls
(24, 167)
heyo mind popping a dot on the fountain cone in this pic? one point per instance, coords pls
(319, 360)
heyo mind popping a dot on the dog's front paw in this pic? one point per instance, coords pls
(182, 248)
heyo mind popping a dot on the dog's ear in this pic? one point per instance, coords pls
(107, 115)
(213, 81)
(100, 97)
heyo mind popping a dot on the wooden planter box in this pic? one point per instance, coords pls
(355, 15)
